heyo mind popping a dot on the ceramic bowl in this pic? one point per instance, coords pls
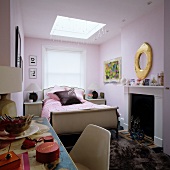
(18, 124)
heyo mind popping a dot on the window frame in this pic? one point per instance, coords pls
(57, 48)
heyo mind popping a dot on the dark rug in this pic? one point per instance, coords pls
(128, 155)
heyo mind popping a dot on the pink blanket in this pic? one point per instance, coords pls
(51, 105)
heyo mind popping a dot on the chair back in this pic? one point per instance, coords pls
(92, 149)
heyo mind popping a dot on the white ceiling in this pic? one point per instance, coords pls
(38, 16)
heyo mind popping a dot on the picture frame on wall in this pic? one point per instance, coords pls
(32, 73)
(17, 47)
(112, 70)
(32, 60)
(21, 66)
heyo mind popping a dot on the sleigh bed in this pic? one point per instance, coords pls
(73, 118)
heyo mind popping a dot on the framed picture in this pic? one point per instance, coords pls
(146, 82)
(32, 73)
(21, 66)
(112, 70)
(17, 47)
(33, 60)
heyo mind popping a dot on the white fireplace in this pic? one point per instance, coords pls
(157, 92)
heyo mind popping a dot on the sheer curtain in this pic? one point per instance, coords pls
(64, 67)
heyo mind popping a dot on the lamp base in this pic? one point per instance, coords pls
(95, 95)
(7, 106)
(33, 96)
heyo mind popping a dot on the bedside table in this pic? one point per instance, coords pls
(33, 108)
(97, 101)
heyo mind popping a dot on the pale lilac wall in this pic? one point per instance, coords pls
(33, 46)
(113, 92)
(148, 28)
(9, 18)
(16, 20)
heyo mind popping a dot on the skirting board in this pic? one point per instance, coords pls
(158, 141)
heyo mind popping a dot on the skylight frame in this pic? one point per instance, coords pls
(74, 28)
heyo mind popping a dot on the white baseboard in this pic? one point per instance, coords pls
(158, 141)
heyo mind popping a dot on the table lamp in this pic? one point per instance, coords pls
(10, 82)
(33, 88)
(94, 87)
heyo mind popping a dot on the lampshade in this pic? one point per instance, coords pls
(10, 79)
(33, 88)
(10, 82)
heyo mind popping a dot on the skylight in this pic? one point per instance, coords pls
(75, 28)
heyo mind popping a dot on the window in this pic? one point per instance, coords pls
(64, 67)
(76, 28)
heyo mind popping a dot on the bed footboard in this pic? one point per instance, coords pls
(76, 121)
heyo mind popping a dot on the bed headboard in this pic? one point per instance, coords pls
(45, 91)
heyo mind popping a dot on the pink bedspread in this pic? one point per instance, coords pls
(51, 105)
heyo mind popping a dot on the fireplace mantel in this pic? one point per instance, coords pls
(157, 92)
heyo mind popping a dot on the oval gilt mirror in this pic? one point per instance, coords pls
(143, 61)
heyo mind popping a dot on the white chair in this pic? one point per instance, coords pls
(92, 149)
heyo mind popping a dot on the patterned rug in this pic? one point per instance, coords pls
(128, 155)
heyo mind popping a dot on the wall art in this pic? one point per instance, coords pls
(32, 60)
(112, 70)
(32, 73)
(17, 47)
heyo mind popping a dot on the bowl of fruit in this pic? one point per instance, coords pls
(15, 125)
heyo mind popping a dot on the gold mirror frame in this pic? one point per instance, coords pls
(147, 50)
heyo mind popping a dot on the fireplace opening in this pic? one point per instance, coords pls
(142, 109)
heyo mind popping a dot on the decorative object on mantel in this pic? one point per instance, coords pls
(123, 81)
(112, 70)
(127, 82)
(139, 82)
(154, 80)
(132, 82)
(147, 50)
(161, 78)
(146, 82)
